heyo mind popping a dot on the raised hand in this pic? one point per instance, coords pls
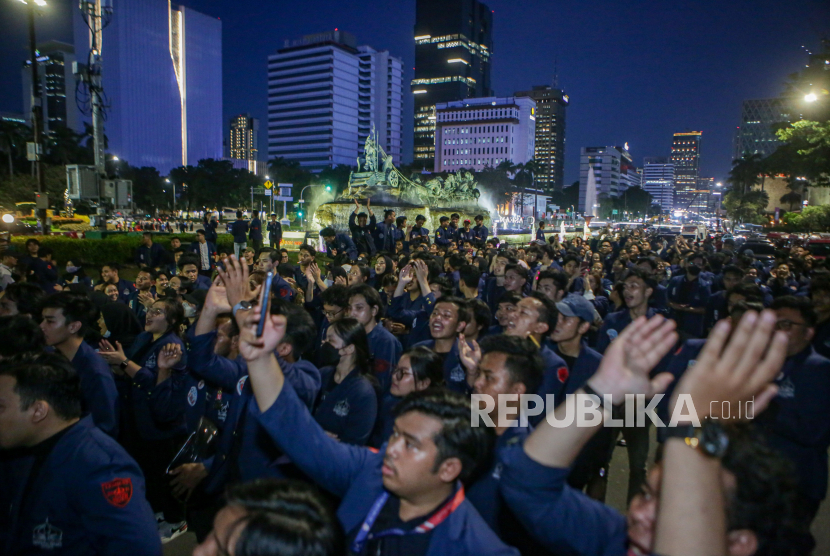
(217, 298)
(251, 347)
(470, 356)
(421, 270)
(406, 275)
(169, 356)
(736, 368)
(630, 358)
(235, 278)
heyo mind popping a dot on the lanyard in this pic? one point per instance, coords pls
(439, 516)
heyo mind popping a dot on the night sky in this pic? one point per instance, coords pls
(636, 72)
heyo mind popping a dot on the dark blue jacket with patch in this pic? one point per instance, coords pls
(354, 475)
(88, 498)
(348, 409)
(97, 388)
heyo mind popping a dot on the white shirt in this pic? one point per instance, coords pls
(203, 251)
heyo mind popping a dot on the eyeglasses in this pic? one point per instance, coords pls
(785, 324)
(331, 314)
(155, 311)
(399, 373)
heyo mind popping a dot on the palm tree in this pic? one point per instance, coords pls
(792, 198)
(12, 137)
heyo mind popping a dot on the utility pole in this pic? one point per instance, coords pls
(94, 13)
(37, 112)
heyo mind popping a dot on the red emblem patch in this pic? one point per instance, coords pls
(284, 293)
(118, 492)
(381, 366)
(562, 374)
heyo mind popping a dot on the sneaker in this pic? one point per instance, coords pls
(169, 531)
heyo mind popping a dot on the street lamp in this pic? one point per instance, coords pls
(810, 97)
(37, 109)
(174, 194)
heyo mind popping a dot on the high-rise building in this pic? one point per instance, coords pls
(476, 133)
(610, 166)
(550, 134)
(326, 95)
(658, 181)
(162, 78)
(755, 135)
(243, 140)
(685, 155)
(453, 45)
(702, 200)
(57, 84)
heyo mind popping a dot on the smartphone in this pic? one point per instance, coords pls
(263, 311)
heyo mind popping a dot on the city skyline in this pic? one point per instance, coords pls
(622, 85)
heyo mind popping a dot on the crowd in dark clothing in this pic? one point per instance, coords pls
(176, 414)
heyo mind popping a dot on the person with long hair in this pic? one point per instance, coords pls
(419, 368)
(383, 267)
(348, 404)
(151, 380)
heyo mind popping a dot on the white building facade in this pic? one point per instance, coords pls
(477, 133)
(658, 181)
(611, 168)
(325, 95)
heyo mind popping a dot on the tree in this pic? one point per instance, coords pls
(148, 188)
(792, 198)
(13, 137)
(746, 172)
(746, 206)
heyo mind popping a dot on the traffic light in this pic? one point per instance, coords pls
(300, 213)
(328, 188)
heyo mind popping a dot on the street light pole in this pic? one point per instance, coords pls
(37, 110)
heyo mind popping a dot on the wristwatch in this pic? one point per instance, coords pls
(124, 364)
(709, 437)
(244, 305)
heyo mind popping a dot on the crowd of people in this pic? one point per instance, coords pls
(327, 407)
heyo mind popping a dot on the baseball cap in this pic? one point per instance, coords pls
(575, 305)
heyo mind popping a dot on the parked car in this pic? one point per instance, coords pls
(819, 247)
(761, 250)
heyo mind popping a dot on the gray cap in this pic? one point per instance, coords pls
(575, 305)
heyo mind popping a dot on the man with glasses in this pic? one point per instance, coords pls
(798, 420)
(638, 289)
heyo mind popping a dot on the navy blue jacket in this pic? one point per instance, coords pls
(563, 519)
(151, 256)
(418, 235)
(45, 274)
(676, 364)
(414, 315)
(274, 232)
(202, 283)
(797, 422)
(255, 230)
(210, 231)
(242, 437)
(362, 235)
(689, 322)
(98, 388)
(443, 236)
(88, 498)
(455, 377)
(559, 383)
(239, 231)
(137, 308)
(158, 409)
(465, 235)
(716, 309)
(348, 409)
(660, 299)
(384, 237)
(540, 235)
(614, 324)
(481, 233)
(125, 289)
(354, 475)
(343, 244)
(195, 247)
(386, 349)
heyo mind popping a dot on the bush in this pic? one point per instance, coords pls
(115, 247)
